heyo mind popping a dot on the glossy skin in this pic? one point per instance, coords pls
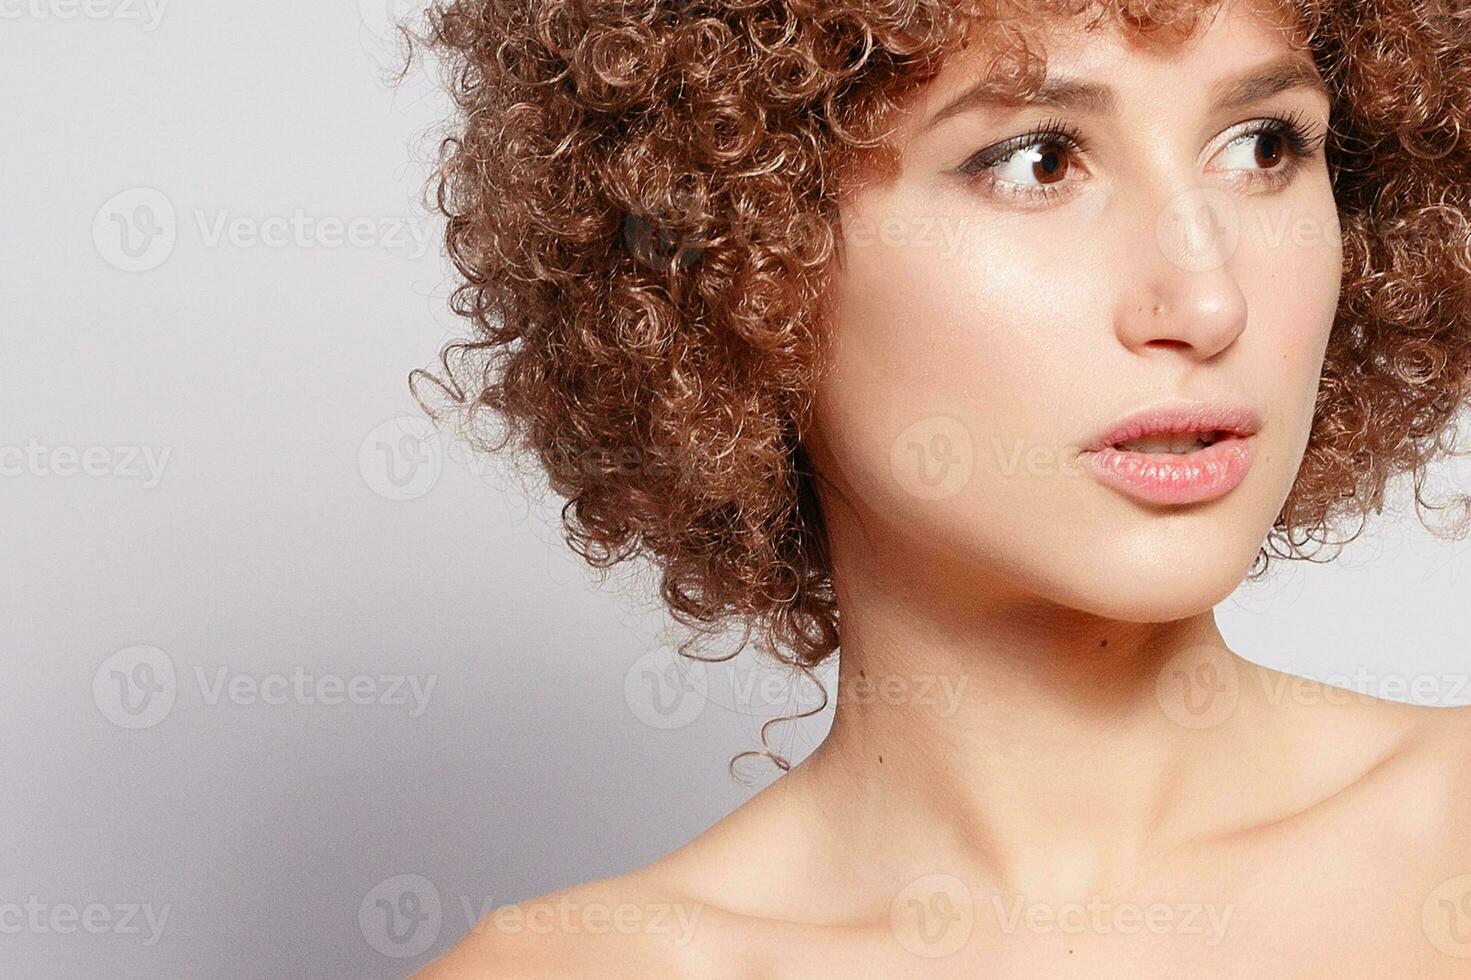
(1106, 760)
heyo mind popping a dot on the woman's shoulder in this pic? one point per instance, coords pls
(612, 927)
(1418, 794)
(1443, 744)
(695, 912)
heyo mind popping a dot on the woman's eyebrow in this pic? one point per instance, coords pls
(1286, 72)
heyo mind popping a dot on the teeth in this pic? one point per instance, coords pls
(1179, 442)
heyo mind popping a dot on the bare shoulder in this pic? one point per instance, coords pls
(614, 927)
(1399, 767)
(1443, 744)
(1423, 788)
(1434, 806)
(705, 910)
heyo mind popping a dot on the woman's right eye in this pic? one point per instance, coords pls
(1027, 166)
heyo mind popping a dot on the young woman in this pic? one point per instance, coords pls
(993, 345)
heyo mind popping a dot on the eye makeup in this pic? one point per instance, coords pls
(1053, 148)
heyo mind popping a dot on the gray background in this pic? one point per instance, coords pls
(156, 298)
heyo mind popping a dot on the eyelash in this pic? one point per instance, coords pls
(1299, 138)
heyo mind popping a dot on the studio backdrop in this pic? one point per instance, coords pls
(295, 684)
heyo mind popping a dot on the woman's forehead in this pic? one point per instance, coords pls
(1048, 57)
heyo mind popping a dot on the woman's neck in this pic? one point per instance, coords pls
(1056, 753)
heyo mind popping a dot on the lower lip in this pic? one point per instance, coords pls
(1175, 478)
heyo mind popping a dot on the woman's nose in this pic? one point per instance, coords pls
(1180, 290)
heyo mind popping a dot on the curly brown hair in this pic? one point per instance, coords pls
(642, 203)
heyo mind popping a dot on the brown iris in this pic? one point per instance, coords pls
(1049, 161)
(1268, 158)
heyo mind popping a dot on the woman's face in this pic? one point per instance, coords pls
(1038, 271)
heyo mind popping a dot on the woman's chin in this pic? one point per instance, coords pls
(1148, 587)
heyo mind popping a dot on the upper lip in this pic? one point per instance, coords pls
(1170, 417)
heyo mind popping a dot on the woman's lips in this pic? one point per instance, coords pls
(1175, 478)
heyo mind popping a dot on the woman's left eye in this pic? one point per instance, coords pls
(1261, 150)
(1272, 147)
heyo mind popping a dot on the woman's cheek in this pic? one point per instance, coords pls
(1294, 300)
